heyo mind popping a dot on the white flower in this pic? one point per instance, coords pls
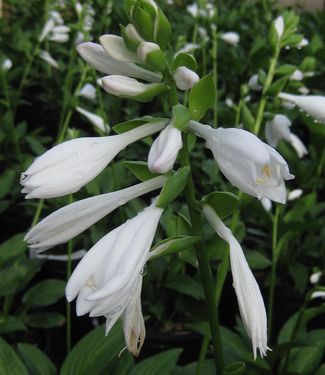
(164, 150)
(253, 83)
(295, 194)
(248, 163)
(229, 102)
(144, 50)
(193, 9)
(279, 128)
(185, 78)
(303, 90)
(6, 65)
(314, 105)
(96, 120)
(88, 91)
(303, 43)
(59, 37)
(127, 87)
(189, 47)
(115, 47)
(95, 56)
(49, 24)
(231, 38)
(250, 300)
(44, 55)
(65, 168)
(315, 277)
(71, 220)
(297, 75)
(267, 204)
(106, 280)
(279, 26)
(318, 294)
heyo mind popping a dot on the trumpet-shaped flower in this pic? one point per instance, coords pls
(67, 167)
(185, 78)
(71, 220)
(279, 128)
(88, 91)
(248, 163)
(44, 55)
(231, 38)
(164, 150)
(96, 120)
(95, 55)
(250, 300)
(314, 105)
(107, 280)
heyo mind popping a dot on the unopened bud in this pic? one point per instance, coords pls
(185, 78)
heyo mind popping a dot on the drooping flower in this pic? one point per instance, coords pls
(71, 220)
(164, 150)
(314, 105)
(107, 280)
(231, 37)
(44, 55)
(248, 163)
(250, 300)
(185, 78)
(96, 120)
(95, 56)
(295, 194)
(54, 29)
(67, 167)
(279, 128)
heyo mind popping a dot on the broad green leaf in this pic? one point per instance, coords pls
(236, 368)
(139, 169)
(305, 360)
(185, 285)
(10, 364)
(45, 320)
(277, 86)
(202, 97)
(172, 245)
(160, 364)
(44, 293)
(6, 181)
(37, 362)
(162, 30)
(94, 352)
(181, 117)
(185, 59)
(11, 324)
(223, 203)
(257, 260)
(13, 247)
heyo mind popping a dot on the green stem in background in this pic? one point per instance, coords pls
(319, 171)
(275, 223)
(215, 70)
(38, 212)
(268, 82)
(204, 266)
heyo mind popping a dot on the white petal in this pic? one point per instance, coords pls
(279, 26)
(96, 120)
(44, 55)
(298, 145)
(231, 38)
(115, 47)
(185, 78)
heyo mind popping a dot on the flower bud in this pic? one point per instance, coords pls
(231, 38)
(253, 83)
(151, 54)
(185, 78)
(6, 65)
(131, 37)
(279, 26)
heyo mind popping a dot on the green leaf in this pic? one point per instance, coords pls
(256, 260)
(123, 127)
(181, 117)
(285, 70)
(162, 363)
(236, 368)
(185, 59)
(248, 118)
(185, 285)
(273, 36)
(305, 360)
(223, 203)
(202, 97)
(139, 169)
(6, 181)
(173, 187)
(94, 352)
(162, 30)
(13, 247)
(44, 293)
(277, 86)
(10, 364)
(37, 362)
(172, 245)
(11, 324)
(45, 320)
(144, 23)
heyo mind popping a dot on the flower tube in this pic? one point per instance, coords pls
(248, 163)
(65, 168)
(250, 300)
(71, 220)
(96, 120)
(107, 281)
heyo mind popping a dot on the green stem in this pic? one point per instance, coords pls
(215, 72)
(204, 266)
(268, 82)
(319, 170)
(275, 223)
